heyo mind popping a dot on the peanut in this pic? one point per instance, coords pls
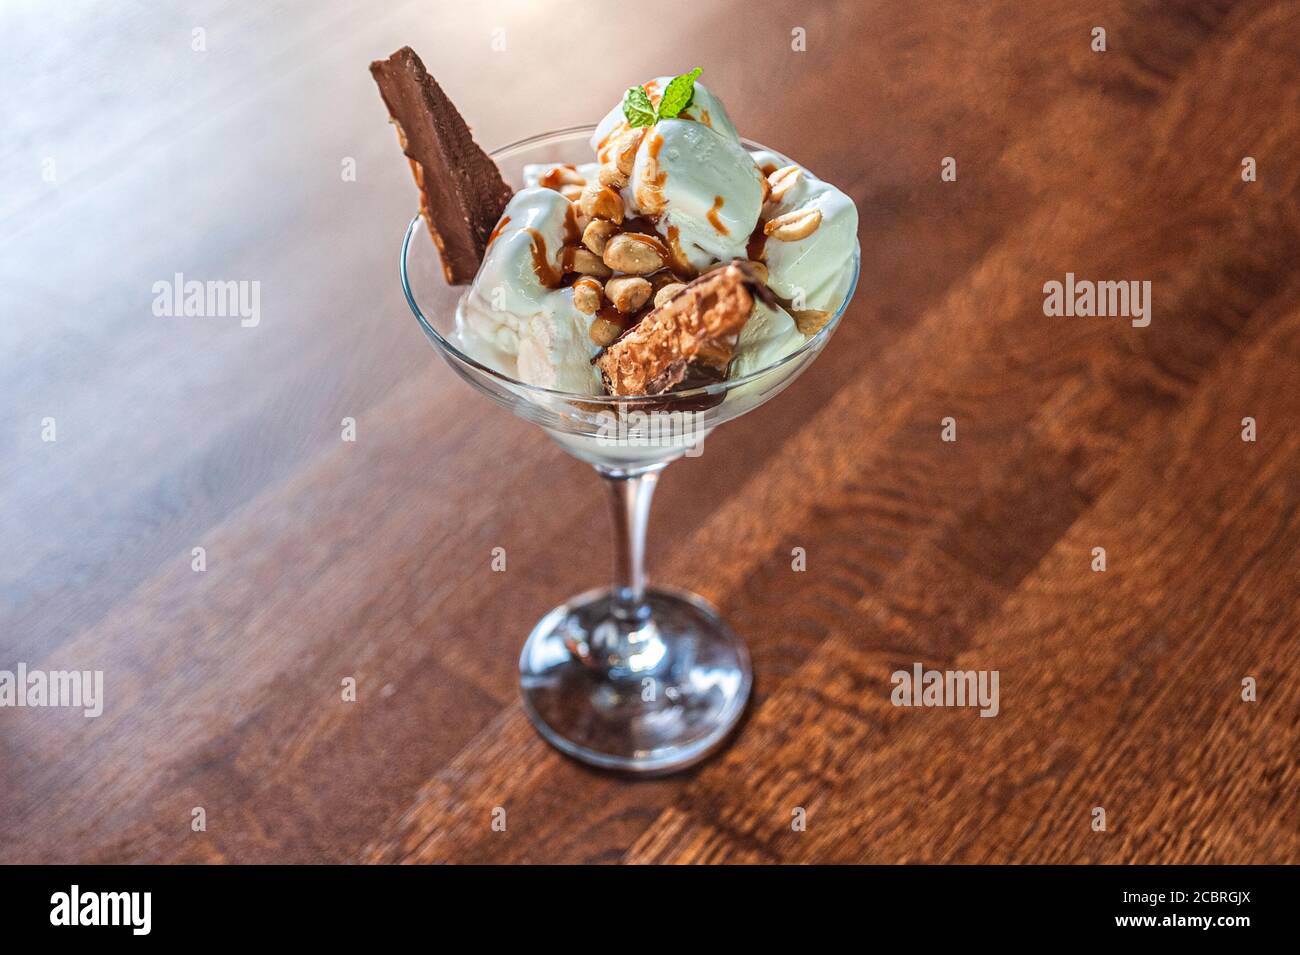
(612, 176)
(586, 296)
(625, 156)
(667, 292)
(605, 331)
(597, 233)
(585, 262)
(793, 226)
(601, 202)
(633, 253)
(782, 181)
(628, 292)
(810, 321)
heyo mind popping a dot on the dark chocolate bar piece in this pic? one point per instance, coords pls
(461, 189)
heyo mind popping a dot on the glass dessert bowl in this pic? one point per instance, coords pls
(627, 677)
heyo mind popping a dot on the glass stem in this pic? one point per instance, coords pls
(630, 493)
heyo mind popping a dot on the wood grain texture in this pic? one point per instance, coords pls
(370, 559)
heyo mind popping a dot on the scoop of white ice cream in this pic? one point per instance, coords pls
(513, 318)
(768, 336)
(703, 188)
(813, 272)
(529, 236)
(555, 348)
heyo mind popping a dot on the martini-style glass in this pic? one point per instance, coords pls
(627, 677)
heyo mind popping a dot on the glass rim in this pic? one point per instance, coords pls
(451, 351)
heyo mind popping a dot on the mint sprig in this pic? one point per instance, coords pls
(637, 108)
(679, 94)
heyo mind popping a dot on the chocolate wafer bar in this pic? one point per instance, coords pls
(697, 326)
(462, 192)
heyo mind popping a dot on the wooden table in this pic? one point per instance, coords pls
(328, 559)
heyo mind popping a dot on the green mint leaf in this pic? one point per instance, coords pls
(637, 108)
(678, 95)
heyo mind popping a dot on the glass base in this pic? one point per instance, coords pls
(651, 694)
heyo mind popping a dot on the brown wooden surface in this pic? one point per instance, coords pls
(371, 559)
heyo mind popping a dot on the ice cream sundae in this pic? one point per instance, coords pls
(675, 257)
(654, 277)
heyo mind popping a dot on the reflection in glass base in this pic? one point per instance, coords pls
(646, 696)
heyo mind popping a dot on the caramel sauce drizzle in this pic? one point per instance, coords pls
(546, 273)
(644, 224)
(713, 216)
(551, 178)
(500, 227)
(571, 233)
(680, 264)
(650, 190)
(702, 117)
(605, 145)
(651, 240)
(604, 148)
(610, 314)
(756, 247)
